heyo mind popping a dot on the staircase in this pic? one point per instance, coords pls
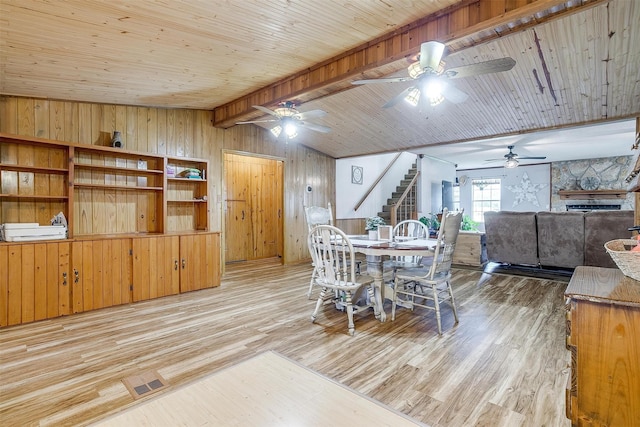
(404, 199)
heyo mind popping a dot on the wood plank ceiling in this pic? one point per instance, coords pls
(577, 62)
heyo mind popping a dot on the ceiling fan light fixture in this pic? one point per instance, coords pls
(290, 130)
(511, 163)
(433, 91)
(413, 97)
(286, 111)
(276, 130)
(415, 70)
(431, 54)
(435, 100)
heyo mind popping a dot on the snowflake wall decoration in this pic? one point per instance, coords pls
(526, 191)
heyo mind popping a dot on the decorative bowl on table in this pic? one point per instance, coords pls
(628, 261)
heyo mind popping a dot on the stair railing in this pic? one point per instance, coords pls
(407, 205)
(384, 172)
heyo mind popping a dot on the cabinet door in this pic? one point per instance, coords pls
(101, 273)
(608, 351)
(199, 261)
(156, 267)
(34, 283)
(52, 282)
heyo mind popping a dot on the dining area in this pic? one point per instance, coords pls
(404, 266)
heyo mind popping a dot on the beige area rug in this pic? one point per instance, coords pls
(266, 390)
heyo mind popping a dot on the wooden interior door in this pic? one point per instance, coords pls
(253, 207)
(265, 210)
(237, 209)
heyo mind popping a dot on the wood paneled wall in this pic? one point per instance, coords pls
(183, 133)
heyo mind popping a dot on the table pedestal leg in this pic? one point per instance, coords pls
(375, 270)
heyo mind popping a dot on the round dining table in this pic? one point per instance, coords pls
(377, 250)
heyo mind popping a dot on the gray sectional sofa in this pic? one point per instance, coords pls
(554, 239)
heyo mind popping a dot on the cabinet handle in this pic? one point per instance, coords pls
(176, 265)
(77, 276)
(184, 263)
(64, 279)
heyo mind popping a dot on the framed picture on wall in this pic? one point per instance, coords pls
(356, 174)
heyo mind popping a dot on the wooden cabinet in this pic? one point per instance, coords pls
(199, 261)
(603, 336)
(120, 206)
(35, 282)
(471, 249)
(156, 267)
(101, 273)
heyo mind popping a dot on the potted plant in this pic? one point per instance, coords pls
(430, 221)
(371, 225)
(468, 224)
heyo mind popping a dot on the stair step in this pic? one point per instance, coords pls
(395, 196)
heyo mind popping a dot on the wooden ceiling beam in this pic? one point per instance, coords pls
(465, 24)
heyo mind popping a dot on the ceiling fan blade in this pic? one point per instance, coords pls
(265, 110)
(311, 114)
(393, 101)
(388, 80)
(258, 121)
(453, 94)
(486, 67)
(316, 127)
(494, 160)
(532, 157)
(431, 54)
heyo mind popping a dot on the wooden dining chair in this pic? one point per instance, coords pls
(317, 215)
(335, 274)
(409, 229)
(429, 286)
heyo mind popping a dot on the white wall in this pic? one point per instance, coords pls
(432, 173)
(349, 194)
(525, 188)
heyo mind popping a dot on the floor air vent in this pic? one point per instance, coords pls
(144, 384)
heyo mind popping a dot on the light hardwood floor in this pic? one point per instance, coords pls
(505, 364)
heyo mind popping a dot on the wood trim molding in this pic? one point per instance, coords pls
(460, 26)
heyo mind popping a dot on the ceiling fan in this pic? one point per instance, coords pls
(288, 118)
(431, 77)
(511, 159)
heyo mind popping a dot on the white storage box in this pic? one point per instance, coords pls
(21, 232)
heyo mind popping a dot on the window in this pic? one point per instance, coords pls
(485, 197)
(456, 198)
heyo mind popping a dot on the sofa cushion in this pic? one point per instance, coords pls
(511, 237)
(561, 239)
(599, 228)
